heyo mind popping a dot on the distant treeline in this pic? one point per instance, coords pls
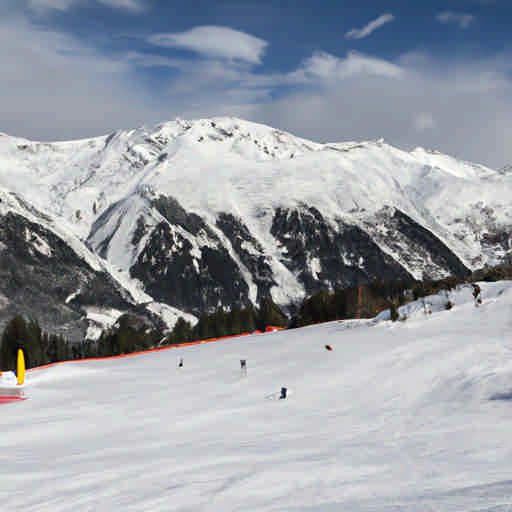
(132, 334)
(39, 347)
(129, 334)
(227, 323)
(367, 300)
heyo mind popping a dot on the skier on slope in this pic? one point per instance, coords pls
(477, 294)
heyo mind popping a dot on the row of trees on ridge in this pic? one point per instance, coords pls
(131, 333)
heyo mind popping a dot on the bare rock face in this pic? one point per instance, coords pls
(326, 256)
(414, 246)
(195, 282)
(186, 262)
(249, 251)
(198, 267)
(43, 278)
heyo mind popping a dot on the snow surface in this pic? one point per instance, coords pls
(8, 381)
(99, 320)
(409, 416)
(169, 314)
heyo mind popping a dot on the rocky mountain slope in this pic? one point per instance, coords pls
(194, 215)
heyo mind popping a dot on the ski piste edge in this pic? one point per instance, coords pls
(157, 349)
(12, 394)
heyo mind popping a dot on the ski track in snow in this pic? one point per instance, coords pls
(405, 416)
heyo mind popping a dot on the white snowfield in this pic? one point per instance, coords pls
(405, 416)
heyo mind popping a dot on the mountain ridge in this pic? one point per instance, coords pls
(197, 215)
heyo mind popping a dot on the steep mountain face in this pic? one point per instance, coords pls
(43, 275)
(193, 281)
(412, 245)
(325, 256)
(193, 216)
(51, 278)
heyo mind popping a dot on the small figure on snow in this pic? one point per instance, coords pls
(477, 294)
(283, 394)
(180, 364)
(328, 347)
(243, 366)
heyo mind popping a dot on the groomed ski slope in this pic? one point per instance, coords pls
(412, 416)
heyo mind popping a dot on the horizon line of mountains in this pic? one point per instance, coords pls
(192, 216)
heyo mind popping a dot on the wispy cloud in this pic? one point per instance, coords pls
(439, 103)
(129, 5)
(55, 86)
(64, 5)
(216, 42)
(331, 68)
(464, 20)
(359, 33)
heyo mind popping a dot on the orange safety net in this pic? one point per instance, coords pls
(167, 347)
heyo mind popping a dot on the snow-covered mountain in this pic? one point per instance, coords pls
(194, 215)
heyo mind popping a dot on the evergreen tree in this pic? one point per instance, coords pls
(181, 333)
(202, 328)
(234, 324)
(19, 334)
(393, 311)
(51, 351)
(270, 314)
(247, 319)
(219, 319)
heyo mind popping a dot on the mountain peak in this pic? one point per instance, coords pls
(217, 212)
(246, 139)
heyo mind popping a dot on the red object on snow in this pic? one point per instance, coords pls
(328, 347)
(9, 399)
(273, 328)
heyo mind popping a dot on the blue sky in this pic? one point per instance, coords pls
(434, 74)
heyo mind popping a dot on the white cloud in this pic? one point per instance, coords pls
(129, 5)
(54, 87)
(462, 19)
(359, 33)
(224, 87)
(328, 67)
(64, 5)
(471, 116)
(216, 42)
(217, 87)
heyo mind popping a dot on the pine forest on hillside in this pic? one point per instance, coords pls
(131, 334)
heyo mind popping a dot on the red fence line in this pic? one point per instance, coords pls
(167, 347)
